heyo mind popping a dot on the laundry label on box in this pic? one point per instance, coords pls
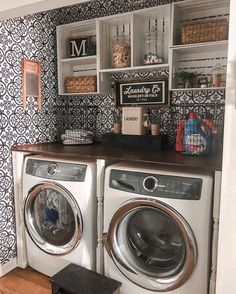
(132, 121)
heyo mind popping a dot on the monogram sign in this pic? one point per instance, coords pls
(82, 47)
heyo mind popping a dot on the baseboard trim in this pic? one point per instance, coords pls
(6, 268)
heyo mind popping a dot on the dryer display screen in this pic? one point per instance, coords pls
(165, 186)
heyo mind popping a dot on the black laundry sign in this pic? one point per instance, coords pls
(149, 92)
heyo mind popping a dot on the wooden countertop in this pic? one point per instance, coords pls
(170, 158)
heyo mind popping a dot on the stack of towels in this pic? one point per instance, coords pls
(77, 137)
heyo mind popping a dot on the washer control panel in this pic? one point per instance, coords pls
(165, 186)
(61, 171)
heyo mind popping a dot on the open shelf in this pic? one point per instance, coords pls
(151, 34)
(207, 45)
(115, 36)
(195, 11)
(81, 60)
(137, 68)
(158, 27)
(198, 89)
(197, 59)
(76, 94)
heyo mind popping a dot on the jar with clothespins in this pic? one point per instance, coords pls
(121, 51)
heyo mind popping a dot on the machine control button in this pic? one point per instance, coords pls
(150, 183)
(52, 169)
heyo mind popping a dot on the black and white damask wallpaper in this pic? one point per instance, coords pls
(34, 37)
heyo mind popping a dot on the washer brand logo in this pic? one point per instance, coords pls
(131, 118)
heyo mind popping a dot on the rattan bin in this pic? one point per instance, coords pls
(82, 84)
(204, 31)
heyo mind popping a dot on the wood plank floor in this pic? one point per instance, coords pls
(26, 281)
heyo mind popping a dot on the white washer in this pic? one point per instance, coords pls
(59, 209)
(157, 226)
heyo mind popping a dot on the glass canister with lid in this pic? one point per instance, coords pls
(217, 74)
(121, 50)
(151, 52)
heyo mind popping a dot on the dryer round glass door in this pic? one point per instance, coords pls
(53, 218)
(152, 244)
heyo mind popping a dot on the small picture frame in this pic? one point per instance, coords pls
(142, 92)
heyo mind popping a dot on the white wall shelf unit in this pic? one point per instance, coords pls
(197, 10)
(86, 65)
(199, 59)
(196, 58)
(155, 30)
(151, 29)
(115, 29)
(131, 27)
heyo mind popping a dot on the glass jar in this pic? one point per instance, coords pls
(121, 51)
(217, 73)
(150, 49)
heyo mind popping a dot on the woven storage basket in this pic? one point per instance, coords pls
(83, 84)
(204, 31)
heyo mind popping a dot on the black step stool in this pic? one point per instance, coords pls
(75, 279)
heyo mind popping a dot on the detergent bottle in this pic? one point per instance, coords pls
(208, 119)
(197, 136)
(179, 146)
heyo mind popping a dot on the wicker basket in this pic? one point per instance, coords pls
(204, 31)
(83, 84)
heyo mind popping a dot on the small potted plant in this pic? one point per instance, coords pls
(188, 79)
(116, 121)
(154, 123)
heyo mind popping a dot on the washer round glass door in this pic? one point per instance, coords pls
(53, 218)
(152, 244)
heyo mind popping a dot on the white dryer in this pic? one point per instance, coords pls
(157, 226)
(59, 210)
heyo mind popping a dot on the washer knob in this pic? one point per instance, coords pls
(150, 183)
(52, 169)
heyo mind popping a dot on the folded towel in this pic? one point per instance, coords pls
(67, 137)
(79, 133)
(77, 142)
(77, 137)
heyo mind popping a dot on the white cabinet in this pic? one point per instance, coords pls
(198, 58)
(131, 31)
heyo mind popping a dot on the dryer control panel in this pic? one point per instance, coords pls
(165, 186)
(61, 171)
